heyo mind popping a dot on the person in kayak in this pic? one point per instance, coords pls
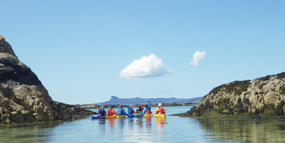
(139, 110)
(160, 109)
(111, 111)
(121, 110)
(101, 111)
(141, 106)
(131, 110)
(147, 109)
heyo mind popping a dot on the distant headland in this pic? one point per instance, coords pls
(127, 101)
(136, 101)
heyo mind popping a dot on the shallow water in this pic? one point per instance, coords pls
(172, 129)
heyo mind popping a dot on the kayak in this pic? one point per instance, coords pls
(147, 115)
(110, 117)
(97, 117)
(135, 116)
(160, 115)
(120, 116)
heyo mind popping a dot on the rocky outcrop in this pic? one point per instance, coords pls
(90, 106)
(260, 98)
(5, 47)
(23, 98)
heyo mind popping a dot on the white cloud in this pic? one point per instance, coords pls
(197, 57)
(145, 67)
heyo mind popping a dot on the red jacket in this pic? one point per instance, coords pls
(111, 112)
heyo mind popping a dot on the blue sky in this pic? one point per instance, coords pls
(79, 49)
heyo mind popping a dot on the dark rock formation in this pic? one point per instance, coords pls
(23, 98)
(5, 47)
(261, 98)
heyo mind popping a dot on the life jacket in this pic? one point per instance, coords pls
(148, 111)
(110, 113)
(130, 111)
(100, 112)
(161, 110)
(121, 111)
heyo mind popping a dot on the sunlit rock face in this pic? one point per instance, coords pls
(5, 47)
(261, 97)
(23, 98)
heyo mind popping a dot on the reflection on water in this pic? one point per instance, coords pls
(148, 122)
(101, 125)
(131, 123)
(171, 129)
(160, 124)
(111, 124)
(245, 131)
(27, 134)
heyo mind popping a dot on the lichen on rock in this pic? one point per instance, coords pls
(261, 98)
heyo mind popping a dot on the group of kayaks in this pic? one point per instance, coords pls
(130, 116)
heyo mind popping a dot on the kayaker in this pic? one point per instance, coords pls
(101, 111)
(121, 110)
(160, 109)
(147, 109)
(111, 111)
(141, 106)
(140, 109)
(131, 110)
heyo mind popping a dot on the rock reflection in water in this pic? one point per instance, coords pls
(28, 133)
(245, 131)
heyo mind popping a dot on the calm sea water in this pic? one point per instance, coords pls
(173, 129)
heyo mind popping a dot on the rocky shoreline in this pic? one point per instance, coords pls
(215, 114)
(258, 99)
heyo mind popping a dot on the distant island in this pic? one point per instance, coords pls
(115, 101)
(128, 101)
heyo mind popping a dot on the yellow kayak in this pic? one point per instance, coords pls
(160, 115)
(120, 116)
(110, 117)
(148, 115)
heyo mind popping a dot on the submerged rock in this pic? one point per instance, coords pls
(261, 98)
(23, 98)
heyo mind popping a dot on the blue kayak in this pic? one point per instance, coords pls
(97, 117)
(135, 116)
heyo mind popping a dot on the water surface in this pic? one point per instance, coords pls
(172, 129)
